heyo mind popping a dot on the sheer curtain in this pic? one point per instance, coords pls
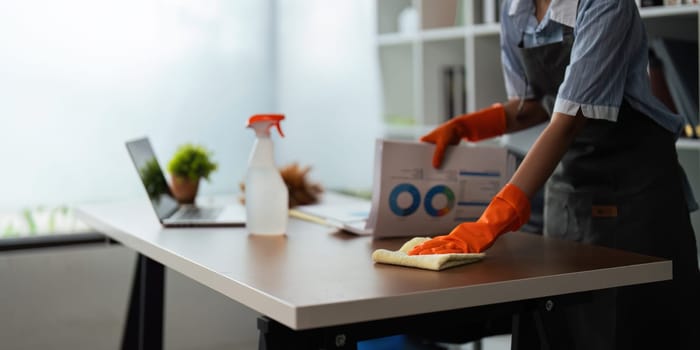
(80, 77)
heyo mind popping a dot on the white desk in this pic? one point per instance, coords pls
(314, 278)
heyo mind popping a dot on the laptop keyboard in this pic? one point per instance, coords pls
(195, 213)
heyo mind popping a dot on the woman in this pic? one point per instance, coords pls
(607, 156)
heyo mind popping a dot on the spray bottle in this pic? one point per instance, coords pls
(266, 195)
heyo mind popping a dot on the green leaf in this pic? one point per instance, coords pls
(10, 231)
(29, 217)
(192, 161)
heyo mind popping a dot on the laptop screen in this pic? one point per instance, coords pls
(152, 177)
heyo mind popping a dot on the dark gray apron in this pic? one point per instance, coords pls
(619, 185)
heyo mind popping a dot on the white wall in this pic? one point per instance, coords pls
(80, 77)
(328, 86)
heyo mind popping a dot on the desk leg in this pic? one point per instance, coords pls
(144, 324)
(543, 328)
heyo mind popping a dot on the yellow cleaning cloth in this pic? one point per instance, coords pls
(429, 262)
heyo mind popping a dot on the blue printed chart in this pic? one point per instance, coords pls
(414, 199)
(434, 195)
(404, 199)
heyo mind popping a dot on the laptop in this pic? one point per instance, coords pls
(343, 212)
(170, 213)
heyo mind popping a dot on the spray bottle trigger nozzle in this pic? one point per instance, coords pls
(279, 129)
(270, 119)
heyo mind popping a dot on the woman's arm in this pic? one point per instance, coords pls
(519, 118)
(547, 151)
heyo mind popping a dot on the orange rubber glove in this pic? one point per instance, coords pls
(483, 124)
(508, 211)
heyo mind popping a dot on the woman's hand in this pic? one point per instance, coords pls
(486, 123)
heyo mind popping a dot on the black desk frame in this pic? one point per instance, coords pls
(533, 314)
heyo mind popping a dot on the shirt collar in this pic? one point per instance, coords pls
(562, 11)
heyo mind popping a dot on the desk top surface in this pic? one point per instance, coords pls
(316, 276)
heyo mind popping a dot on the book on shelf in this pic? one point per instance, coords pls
(454, 91)
(440, 14)
(461, 81)
(459, 14)
(491, 10)
(448, 92)
(678, 61)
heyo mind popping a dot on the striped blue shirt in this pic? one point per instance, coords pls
(608, 59)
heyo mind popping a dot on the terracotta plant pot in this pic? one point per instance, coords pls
(184, 189)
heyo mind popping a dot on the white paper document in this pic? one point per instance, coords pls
(411, 198)
(339, 211)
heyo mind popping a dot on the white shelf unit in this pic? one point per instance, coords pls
(452, 31)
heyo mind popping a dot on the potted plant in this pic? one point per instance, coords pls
(189, 164)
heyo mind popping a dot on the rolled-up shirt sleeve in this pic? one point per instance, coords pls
(595, 79)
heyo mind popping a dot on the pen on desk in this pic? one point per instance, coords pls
(307, 217)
